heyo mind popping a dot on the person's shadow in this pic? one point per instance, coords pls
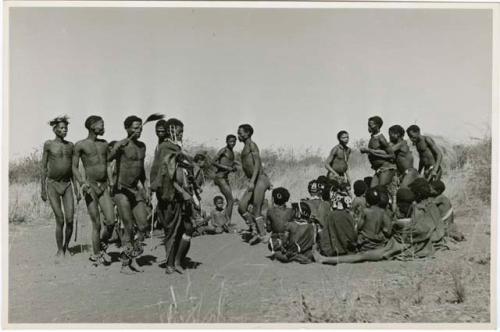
(146, 260)
(79, 249)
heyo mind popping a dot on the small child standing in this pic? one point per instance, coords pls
(446, 210)
(375, 225)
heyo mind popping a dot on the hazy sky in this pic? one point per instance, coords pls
(298, 76)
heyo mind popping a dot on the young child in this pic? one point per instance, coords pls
(446, 210)
(359, 202)
(337, 162)
(218, 222)
(279, 215)
(375, 224)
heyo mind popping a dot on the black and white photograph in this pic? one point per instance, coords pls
(232, 163)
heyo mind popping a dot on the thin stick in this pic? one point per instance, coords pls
(173, 296)
(220, 300)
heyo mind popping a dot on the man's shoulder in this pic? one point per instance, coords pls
(140, 144)
(102, 141)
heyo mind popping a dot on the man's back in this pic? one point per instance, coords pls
(278, 218)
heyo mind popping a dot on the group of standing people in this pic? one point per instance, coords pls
(114, 184)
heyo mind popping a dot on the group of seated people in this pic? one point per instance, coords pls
(330, 227)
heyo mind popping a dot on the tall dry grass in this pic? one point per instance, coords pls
(467, 176)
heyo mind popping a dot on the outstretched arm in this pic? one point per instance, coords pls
(45, 161)
(387, 154)
(217, 163)
(115, 151)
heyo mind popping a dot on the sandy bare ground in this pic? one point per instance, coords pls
(237, 283)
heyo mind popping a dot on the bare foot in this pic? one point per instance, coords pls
(126, 269)
(58, 256)
(135, 266)
(317, 256)
(169, 269)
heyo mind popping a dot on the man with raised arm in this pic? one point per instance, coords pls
(131, 193)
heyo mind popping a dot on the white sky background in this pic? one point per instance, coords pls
(298, 76)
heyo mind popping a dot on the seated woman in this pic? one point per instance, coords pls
(295, 245)
(414, 233)
(279, 214)
(337, 235)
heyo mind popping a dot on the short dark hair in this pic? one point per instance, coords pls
(413, 129)
(218, 197)
(174, 122)
(91, 120)
(247, 128)
(199, 156)
(377, 119)
(131, 119)
(228, 137)
(161, 123)
(438, 186)
(340, 133)
(372, 196)
(359, 188)
(397, 129)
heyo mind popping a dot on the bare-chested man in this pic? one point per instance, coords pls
(95, 184)
(131, 193)
(336, 163)
(380, 154)
(57, 180)
(225, 164)
(404, 158)
(430, 155)
(258, 184)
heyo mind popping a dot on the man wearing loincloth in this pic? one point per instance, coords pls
(58, 182)
(131, 193)
(258, 184)
(430, 155)
(95, 183)
(380, 154)
(404, 158)
(225, 164)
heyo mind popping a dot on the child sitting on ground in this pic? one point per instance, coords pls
(359, 202)
(375, 225)
(218, 221)
(446, 210)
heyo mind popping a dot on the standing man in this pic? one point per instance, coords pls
(95, 183)
(225, 164)
(380, 154)
(258, 184)
(430, 156)
(404, 158)
(58, 183)
(131, 193)
(172, 185)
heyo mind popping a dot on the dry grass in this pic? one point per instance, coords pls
(467, 178)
